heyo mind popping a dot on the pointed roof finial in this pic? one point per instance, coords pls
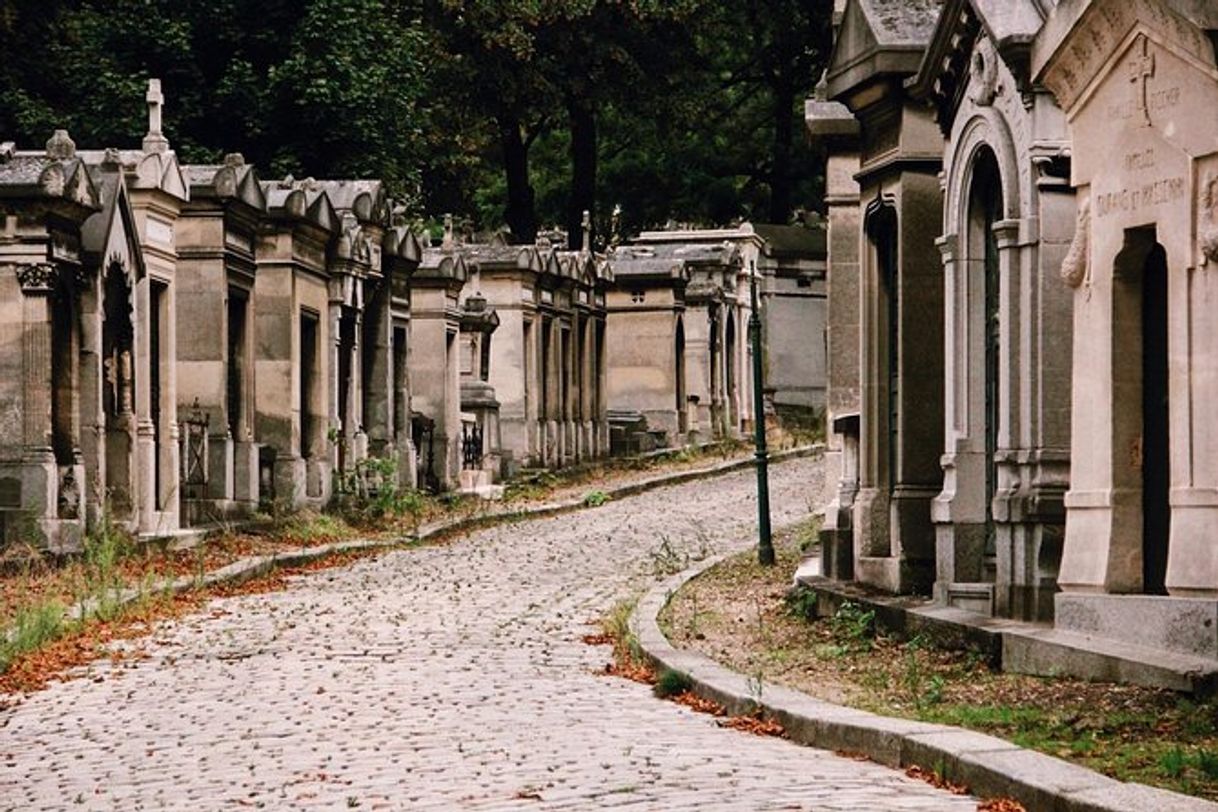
(155, 140)
(586, 225)
(60, 146)
(449, 242)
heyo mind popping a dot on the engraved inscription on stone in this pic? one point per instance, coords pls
(1137, 197)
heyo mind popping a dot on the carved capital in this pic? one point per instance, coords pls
(37, 279)
(1076, 267)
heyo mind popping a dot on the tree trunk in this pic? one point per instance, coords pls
(521, 210)
(583, 169)
(781, 182)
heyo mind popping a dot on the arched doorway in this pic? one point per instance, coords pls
(984, 326)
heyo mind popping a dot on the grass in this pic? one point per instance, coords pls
(761, 628)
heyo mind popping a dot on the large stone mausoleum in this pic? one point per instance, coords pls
(1060, 470)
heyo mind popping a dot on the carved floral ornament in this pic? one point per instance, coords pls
(1208, 220)
(36, 278)
(1076, 267)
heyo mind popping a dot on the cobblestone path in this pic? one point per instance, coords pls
(449, 677)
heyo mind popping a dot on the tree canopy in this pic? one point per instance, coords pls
(503, 112)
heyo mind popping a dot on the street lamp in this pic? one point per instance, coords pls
(765, 546)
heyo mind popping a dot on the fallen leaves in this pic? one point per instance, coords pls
(597, 639)
(935, 780)
(1001, 805)
(756, 725)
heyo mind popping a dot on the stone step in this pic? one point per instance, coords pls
(1053, 652)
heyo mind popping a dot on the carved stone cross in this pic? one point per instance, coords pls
(155, 140)
(1141, 69)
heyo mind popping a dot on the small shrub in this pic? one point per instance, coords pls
(800, 601)
(1207, 762)
(33, 627)
(1173, 762)
(672, 683)
(853, 626)
(595, 498)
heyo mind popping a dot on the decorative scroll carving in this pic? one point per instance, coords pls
(1076, 267)
(1208, 215)
(39, 278)
(983, 71)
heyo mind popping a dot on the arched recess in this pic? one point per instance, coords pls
(732, 416)
(982, 347)
(885, 360)
(1140, 346)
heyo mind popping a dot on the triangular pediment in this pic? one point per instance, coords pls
(855, 39)
(879, 38)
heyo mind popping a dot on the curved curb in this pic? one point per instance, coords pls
(245, 569)
(989, 766)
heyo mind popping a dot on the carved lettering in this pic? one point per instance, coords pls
(1142, 159)
(1146, 196)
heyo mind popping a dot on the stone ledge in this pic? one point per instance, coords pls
(989, 766)
(1023, 648)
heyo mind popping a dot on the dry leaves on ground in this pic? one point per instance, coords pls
(935, 780)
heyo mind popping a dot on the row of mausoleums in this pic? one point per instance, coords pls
(1023, 242)
(190, 342)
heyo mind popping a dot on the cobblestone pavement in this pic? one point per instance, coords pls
(449, 677)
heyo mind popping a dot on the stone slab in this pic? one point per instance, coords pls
(1183, 625)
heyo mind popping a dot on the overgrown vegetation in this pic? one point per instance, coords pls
(748, 618)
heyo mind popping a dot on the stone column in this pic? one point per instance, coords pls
(169, 450)
(145, 430)
(40, 478)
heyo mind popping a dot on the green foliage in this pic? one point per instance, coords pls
(595, 498)
(801, 601)
(369, 492)
(670, 682)
(921, 687)
(33, 627)
(853, 627)
(691, 109)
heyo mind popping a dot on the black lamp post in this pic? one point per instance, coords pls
(765, 546)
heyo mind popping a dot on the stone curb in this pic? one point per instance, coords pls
(989, 766)
(255, 566)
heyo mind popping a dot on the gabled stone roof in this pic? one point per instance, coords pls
(56, 174)
(98, 233)
(366, 199)
(232, 180)
(443, 264)
(287, 200)
(499, 256)
(400, 243)
(879, 38)
(145, 170)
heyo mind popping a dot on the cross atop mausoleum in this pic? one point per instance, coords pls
(155, 140)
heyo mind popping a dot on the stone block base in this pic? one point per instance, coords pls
(1182, 625)
(837, 554)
